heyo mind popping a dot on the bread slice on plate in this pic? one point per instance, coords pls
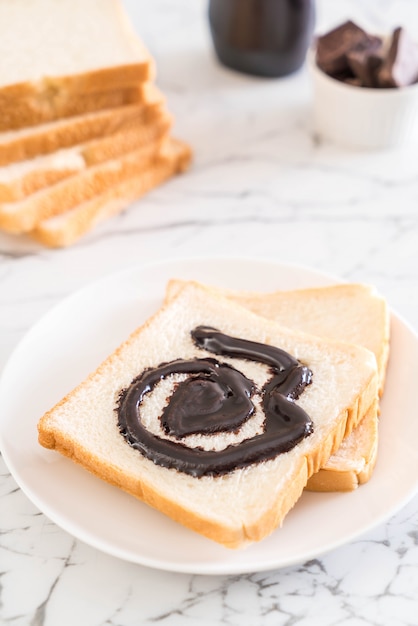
(289, 399)
(33, 141)
(66, 228)
(20, 180)
(349, 312)
(53, 51)
(354, 461)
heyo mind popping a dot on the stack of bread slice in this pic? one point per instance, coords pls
(116, 429)
(83, 128)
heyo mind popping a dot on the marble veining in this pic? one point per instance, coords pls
(261, 185)
(49, 578)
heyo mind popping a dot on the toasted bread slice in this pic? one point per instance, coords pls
(241, 505)
(66, 228)
(354, 313)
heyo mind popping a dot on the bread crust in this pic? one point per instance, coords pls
(95, 80)
(50, 105)
(345, 472)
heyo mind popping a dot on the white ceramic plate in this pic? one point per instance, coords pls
(73, 338)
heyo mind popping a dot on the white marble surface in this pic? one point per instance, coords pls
(260, 186)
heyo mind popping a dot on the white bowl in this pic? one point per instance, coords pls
(361, 117)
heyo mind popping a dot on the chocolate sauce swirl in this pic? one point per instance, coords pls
(216, 397)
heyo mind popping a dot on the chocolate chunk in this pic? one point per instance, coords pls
(353, 80)
(346, 77)
(349, 54)
(400, 67)
(333, 47)
(365, 61)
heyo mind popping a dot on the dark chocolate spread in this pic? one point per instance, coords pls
(216, 397)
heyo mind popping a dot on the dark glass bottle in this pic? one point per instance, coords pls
(262, 37)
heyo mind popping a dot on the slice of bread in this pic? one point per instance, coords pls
(353, 313)
(25, 215)
(33, 141)
(240, 506)
(354, 461)
(19, 180)
(26, 112)
(63, 230)
(54, 50)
